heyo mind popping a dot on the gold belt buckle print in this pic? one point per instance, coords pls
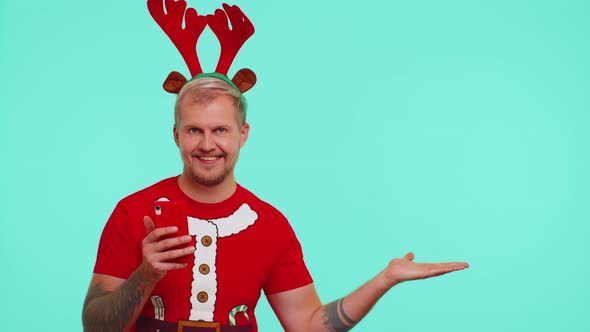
(189, 323)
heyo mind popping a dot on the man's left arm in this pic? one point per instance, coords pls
(300, 309)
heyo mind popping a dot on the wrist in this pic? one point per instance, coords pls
(148, 275)
(385, 281)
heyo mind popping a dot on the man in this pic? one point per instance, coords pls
(237, 244)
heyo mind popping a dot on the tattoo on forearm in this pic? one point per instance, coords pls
(341, 311)
(113, 311)
(335, 319)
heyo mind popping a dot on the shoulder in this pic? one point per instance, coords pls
(151, 193)
(269, 217)
(260, 205)
(129, 212)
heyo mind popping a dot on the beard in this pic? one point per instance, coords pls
(209, 181)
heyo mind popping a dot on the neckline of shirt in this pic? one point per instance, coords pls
(231, 203)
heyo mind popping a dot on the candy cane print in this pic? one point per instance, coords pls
(232, 314)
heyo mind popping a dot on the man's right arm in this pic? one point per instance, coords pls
(114, 304)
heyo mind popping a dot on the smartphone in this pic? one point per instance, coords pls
(166, 213)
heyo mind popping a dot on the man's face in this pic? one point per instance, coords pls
(209, 138)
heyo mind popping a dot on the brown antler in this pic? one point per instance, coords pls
(185, 39)
(230, 40)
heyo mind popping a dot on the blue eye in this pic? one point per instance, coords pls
(194, 130)
(221, 130)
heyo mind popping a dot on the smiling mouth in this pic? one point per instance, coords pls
(208, 158)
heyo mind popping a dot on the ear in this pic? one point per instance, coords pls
(244, 134)
(175, 133)
(174, 82)
(244, 79)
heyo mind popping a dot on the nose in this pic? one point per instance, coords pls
(206, 143)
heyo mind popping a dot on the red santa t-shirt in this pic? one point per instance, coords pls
(243, 245)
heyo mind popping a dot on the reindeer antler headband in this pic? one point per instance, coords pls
(185, 39)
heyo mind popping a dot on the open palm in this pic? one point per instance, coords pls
(404, 269)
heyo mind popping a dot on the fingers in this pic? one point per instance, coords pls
(166, 256)
(158, 248)
(409, 256)
(166, 244)
(159, 256)
(433, 270)
(404, 269)
(154, 269)
(149, 224)
(151, 245)
(169, 266)
(155, 234)
(451, 266)
(164, 261)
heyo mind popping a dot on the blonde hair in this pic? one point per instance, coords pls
(203, 90)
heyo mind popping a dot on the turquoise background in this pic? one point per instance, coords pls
(456, 129)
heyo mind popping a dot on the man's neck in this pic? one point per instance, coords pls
(206, 194)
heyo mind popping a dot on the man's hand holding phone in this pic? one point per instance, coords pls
(163, 248)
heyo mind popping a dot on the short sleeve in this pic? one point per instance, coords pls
(289, 270)
(119, 250)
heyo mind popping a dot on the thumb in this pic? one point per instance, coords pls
(149, 224)
(409, 256)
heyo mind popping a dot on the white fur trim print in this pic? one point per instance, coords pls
(204, 283)
(243, 218)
